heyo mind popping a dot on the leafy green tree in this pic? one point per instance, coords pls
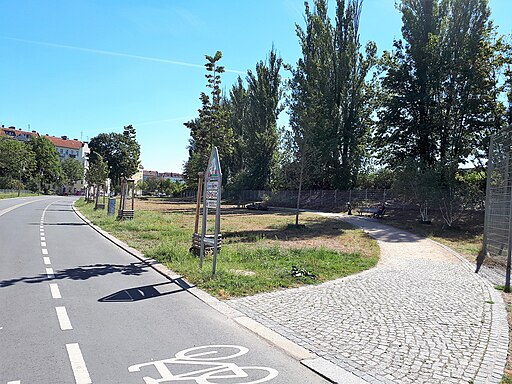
(97, 173)
(48, 167)
(441, 97)
(329, 102)
(211, 127)
(17, 163)
(253, 113)
(72, 170)
(120, 151)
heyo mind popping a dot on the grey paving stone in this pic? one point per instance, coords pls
(422, 315)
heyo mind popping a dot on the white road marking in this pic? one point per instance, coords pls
(41, 230)
(14, 382)
(47, 261)
(49, 273)
(17, 206)
(41, 226)
(43, 238)
(54, 288)
(43, 244)
(78, 364)
(62, 314)
(45, 251)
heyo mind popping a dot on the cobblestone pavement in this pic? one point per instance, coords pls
(421, 316)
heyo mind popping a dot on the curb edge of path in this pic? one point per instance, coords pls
(319, 365)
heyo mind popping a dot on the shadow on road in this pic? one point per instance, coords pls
(82, 273)
(144, 292)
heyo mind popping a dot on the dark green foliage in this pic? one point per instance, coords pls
(253, 117)
(440, 90)
(72, 171)
(17, 163)
(97, 173)
(48, 168)
(211, 128)
(120, 151)
(329, 101)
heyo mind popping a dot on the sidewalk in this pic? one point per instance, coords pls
(421, 316)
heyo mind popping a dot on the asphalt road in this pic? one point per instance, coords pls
(75, 308)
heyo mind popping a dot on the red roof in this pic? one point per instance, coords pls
(65, 143)
(17, 132)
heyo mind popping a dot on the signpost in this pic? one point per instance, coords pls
(211, 200)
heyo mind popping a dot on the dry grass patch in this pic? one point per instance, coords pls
(259, 251)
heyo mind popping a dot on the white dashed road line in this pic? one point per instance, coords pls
(43, 238)
(43, 244)
(62, 315)
(46, 260)
(45, 251)
(54, 289)
(14, 382)
(78, 364)
(49, 273)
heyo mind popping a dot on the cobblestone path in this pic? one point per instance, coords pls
(421, 316)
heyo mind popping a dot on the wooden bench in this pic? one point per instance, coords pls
(208, 243)
(373, 212)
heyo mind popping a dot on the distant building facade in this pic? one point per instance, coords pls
(66, 149)
(175, 177)
(72, 149)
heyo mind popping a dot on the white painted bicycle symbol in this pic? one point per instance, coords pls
(213, 369)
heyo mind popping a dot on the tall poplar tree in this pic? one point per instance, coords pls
(329, 99)
(441, 92)
(253, 114)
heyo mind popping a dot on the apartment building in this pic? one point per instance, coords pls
(66, 149)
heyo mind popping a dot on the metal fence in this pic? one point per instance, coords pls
(316, 199)
(14, 191)
(498, 205)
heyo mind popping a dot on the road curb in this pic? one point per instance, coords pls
(310, 360)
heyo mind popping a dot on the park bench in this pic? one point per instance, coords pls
(372, 211)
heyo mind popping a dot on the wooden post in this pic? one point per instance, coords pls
(198, 203)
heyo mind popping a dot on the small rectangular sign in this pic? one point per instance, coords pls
(212, 195)
(211, 203)
(212, 186)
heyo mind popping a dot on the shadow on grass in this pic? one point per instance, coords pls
(469, 229)
(313, 229)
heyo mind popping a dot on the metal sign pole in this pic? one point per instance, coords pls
(217, 228)
(203, 226)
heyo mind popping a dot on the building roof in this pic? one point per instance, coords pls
(11, 132)
(64, 142)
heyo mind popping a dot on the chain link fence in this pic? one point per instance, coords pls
(498, 205)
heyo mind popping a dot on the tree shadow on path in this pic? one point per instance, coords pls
(82, 273)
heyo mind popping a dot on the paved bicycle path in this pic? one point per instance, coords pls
(420, 316)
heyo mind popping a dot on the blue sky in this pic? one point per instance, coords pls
(83, 67)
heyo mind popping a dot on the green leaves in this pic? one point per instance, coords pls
(120, 151)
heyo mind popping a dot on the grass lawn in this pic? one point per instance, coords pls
(258, 253)
(10, 195)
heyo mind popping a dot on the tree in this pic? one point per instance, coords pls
(72, 170)
(48, 168)
(97, 173)
(120, 151)
(211, 128)
(440, 89)
(329, 101)
(253, 113)
(17, 162)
